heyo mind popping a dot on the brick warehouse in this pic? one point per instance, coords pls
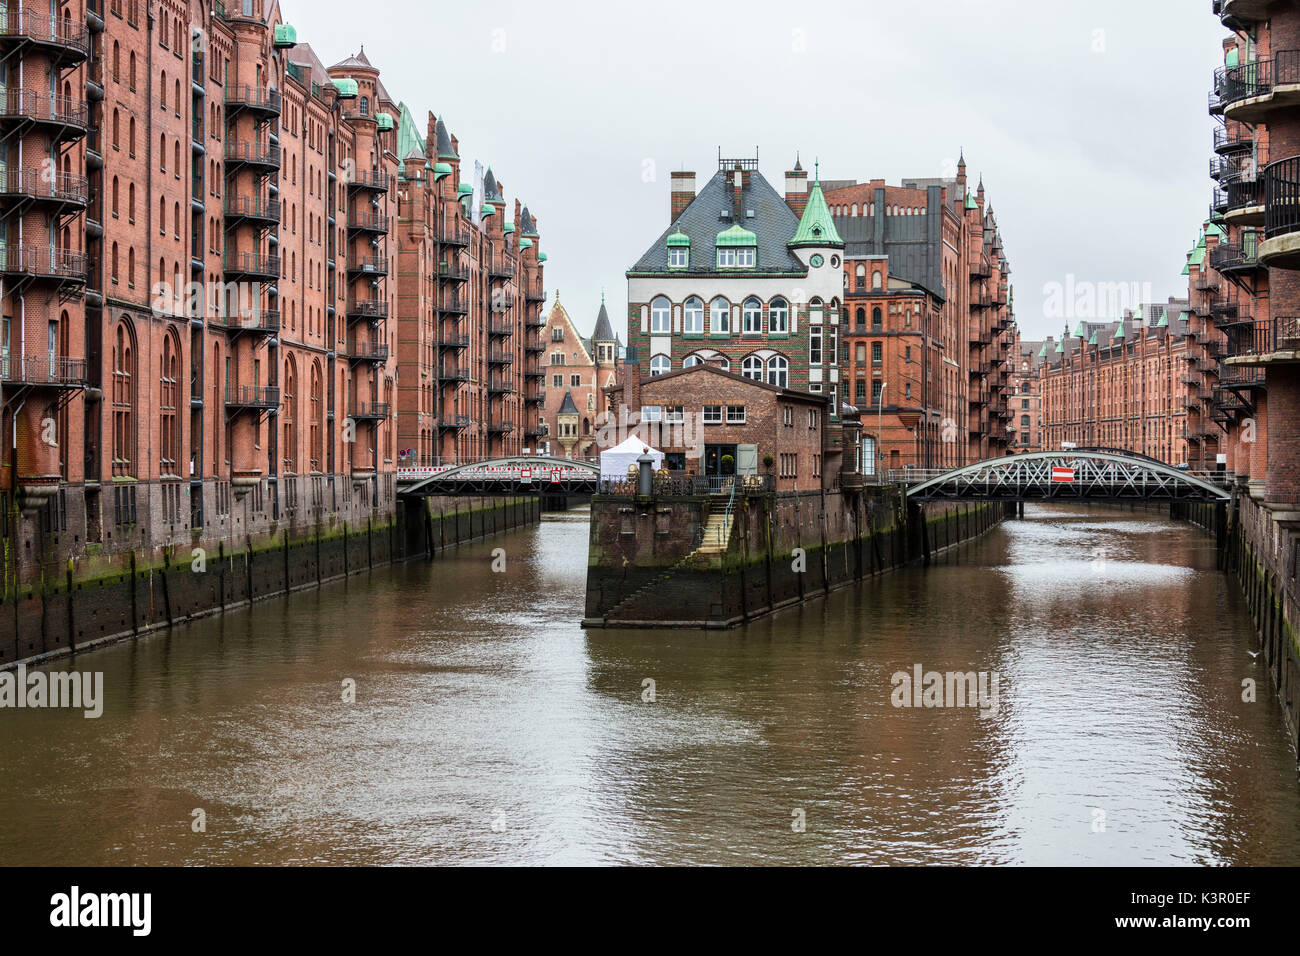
(928, 320)
(581, 367)
(202, 323)
(1025, 394)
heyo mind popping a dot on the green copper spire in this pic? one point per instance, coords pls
(1079, 330)
(1164, 319)
(1060, 347)
(1042, 353)
(816, 227)
(1092, 340)
(1119, 333)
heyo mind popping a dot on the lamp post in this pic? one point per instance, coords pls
(880, 435)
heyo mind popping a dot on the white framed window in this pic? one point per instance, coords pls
(712, 415)
(661, 315)
(660, 364)
(787, 415)
(731, 257)
(735, 414)
(675, 415)
(724, 363)
(651, 413)
(752, 317)
(720, 315)
(752, 367)
(678, 257)
(691, 361)
(778, 371)
(778, 315)
(814, 345)
(693, 315)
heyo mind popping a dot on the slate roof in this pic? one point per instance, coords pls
(356, 61)
(445, 150)
(774, 224)
(491, 193)
(526, 224)
(567, 407)
(604, 332)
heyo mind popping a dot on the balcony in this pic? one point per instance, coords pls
(368, 179)
(1281, 245)
(1236, 258)
(501, 327)
(533, 396)
(1251, 90)
(1266, 341)
(67, 116)
(454, 305)
(981, 301)
(260, 155)
(496, 357)
(44, 371)
(252, 396)
(453, 341)
(453, 235)
(981, 268)
(534, 373)
(535, 321)
(249, 98)
(500, 386)
(370, 309)
(42, 262)
(979, 397)
(534, 295)
(452, 273)
(63, 40)
(453, 422)
(501, 270)
(534, 348)
(259, 322)
(61, 190)
(251, 208)
(368, 411)
(1231, 141)
(373, 353)
(368, 266)
(368, 223)
(251, 265)
(453, 373)
(500, 427)
(1243, 199)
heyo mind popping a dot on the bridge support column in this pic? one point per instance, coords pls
(1020, 509)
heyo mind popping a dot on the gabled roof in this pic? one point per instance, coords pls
(704, 368)
(773, 224)
(816, 228)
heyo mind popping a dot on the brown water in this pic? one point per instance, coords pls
(488, 727)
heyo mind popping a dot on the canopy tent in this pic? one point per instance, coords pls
(614, 462)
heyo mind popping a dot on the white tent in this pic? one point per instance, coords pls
(614, 462)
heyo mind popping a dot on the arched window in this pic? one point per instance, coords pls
(723, 363)
(288, 417)
(860, 319)
(169, 392)
(752, 367)
(315, 416)
(719, 315)
(163, 86)
(693, 313)
(130, 202)
(753, 316)
(860, 277)
(660, 364)
(130, 139)
(853, 209)
(778, 371)
(778, 315)
(117, 129)
(365, 106)
(131, 72)
(123, 399)
(115, 196)
(661, 312)
(691, 361)
(112, 263)
(876, 279)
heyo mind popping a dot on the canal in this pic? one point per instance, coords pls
(488, 727)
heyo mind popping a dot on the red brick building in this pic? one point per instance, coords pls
(581, 367)
(927, 310)
(201, 273)
(711, 422)
(1025, 394)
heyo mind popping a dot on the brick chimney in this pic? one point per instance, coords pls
(737, 195)
(683, 190)
(796, 188)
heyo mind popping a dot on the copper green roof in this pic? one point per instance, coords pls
(1184, 316)
(735, 236)
(1079, 330)
(970, 201)
(409, 140)
(508, 228)
(1164, 319)
(440, 170)
(347, 88)
(525, 243)
(1060, 347)
(1137, 315)
(464, 189)
(679, 238)
(384, 120)
(816, 228)
(1092, 339)
(541, 257)
(285, 36)
(487, 210)
(1043, 351)
(1119, 332)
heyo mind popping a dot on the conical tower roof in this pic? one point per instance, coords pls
(816, 227)
(567, 407)
(604, 331)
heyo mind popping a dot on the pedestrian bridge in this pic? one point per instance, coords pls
(521, 474)
(1064, 475)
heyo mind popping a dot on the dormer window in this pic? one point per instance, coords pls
(737, 248)
(679, 250)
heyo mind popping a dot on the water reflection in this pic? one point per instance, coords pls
(488, 727)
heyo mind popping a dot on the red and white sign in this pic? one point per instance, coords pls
(526, 476)
(1062, 474)
(555, 476)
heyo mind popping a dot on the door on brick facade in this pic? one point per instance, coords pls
(714, 463)
(747, 459)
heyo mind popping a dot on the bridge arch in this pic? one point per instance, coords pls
(1069, 475)
(513, 474)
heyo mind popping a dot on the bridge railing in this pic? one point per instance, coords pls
(689, 485)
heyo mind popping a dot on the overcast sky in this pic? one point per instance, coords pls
(1087, 120)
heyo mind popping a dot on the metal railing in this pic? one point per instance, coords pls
(369, 265)
(368, 222)
(43, 370)
(1278, 334)
(250, 97)
(252, 207)
(367, 309)
(1281, 182)
(1227, 256)
(667, 484)
(42, 261)
(44, 107)
(253, 396)
(368, 179)
(266, 321)
(251, 263)
(368, 410)
(1258, 77)
(263, 154)
(65, 187)
(45, 29)
(1225, 140)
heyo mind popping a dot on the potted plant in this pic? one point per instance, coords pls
(768, 462)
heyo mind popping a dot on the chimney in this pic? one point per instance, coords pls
(683, 189)
(796, 188)
(737, 195)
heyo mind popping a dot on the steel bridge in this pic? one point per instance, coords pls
(521, 474)
(1064, 475)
